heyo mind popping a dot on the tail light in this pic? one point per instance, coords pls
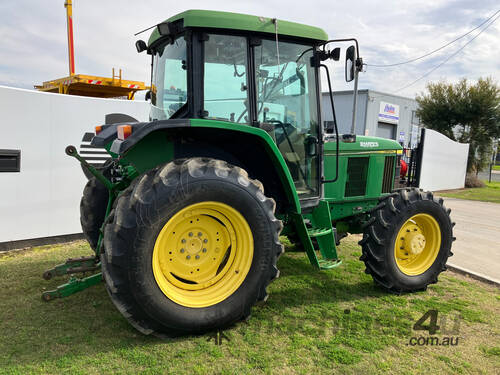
(124, 131)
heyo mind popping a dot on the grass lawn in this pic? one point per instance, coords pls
(496, 167)
(490, 193)
(328, 322)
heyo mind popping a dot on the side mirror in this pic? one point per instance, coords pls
(141, 46)
(350, 58)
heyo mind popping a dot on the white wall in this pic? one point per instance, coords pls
(444, 162)
(43, 199)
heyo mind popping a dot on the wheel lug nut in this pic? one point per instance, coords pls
(197, 257)
(188, 257)
(204, 250)
(200, 234)
(182, 250)
(205, 240)
(183, 240)
(190, 234)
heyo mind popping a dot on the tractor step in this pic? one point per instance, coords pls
(322, 230)
(329, 264)
(318, 232)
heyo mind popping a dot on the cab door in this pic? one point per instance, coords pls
(287, 101)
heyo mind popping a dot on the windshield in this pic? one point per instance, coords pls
(169, 86)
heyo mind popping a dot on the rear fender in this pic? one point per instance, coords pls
(251, 148)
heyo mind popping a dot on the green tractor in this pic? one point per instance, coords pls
(186, 216)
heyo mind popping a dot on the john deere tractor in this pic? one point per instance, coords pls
(186, 216)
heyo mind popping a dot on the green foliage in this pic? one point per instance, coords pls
(464, 112)
(493, 351)
(490, 193)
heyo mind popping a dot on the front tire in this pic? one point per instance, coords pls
(407, 241)
(190, 247)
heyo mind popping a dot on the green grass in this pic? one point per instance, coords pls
(490, 193)
(496, 167)
(327, 322)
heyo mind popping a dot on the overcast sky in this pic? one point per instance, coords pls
(33, 45)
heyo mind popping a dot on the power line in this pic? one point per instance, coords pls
(444, 61)
(448, 58)
(437, 49)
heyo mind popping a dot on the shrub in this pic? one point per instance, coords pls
(471, 181)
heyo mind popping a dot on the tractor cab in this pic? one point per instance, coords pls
(215, 66)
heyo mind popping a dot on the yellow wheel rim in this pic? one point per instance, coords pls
(202, 254)
(417, 244)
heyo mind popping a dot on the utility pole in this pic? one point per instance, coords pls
(69, 20)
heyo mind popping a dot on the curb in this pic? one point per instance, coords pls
(8, 246)
(474, 275)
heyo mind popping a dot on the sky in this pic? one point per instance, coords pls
(33, 44)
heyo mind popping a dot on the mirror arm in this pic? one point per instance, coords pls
(354, 101)
(343, 40)
(357, 68)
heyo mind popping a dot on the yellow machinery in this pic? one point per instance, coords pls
(86, 85)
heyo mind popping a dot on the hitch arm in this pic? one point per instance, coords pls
(71, 151)
(73, 265)
(71, 287)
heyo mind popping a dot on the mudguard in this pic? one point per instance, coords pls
(145, 140)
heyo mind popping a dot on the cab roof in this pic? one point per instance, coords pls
(243, 22)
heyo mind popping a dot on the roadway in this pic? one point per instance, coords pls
(477, 247)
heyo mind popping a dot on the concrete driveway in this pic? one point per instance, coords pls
(477, 229)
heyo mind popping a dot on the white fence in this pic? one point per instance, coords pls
(42, 200)
(444, 162)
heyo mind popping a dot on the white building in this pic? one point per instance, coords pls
(378, 114)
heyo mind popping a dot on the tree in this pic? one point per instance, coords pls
(464, 112)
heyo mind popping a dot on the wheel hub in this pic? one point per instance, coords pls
(202, 253)
(194, 246)
(417, 244)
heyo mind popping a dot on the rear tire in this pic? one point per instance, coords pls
(93, 206)
(136, 230)
(407, 241)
